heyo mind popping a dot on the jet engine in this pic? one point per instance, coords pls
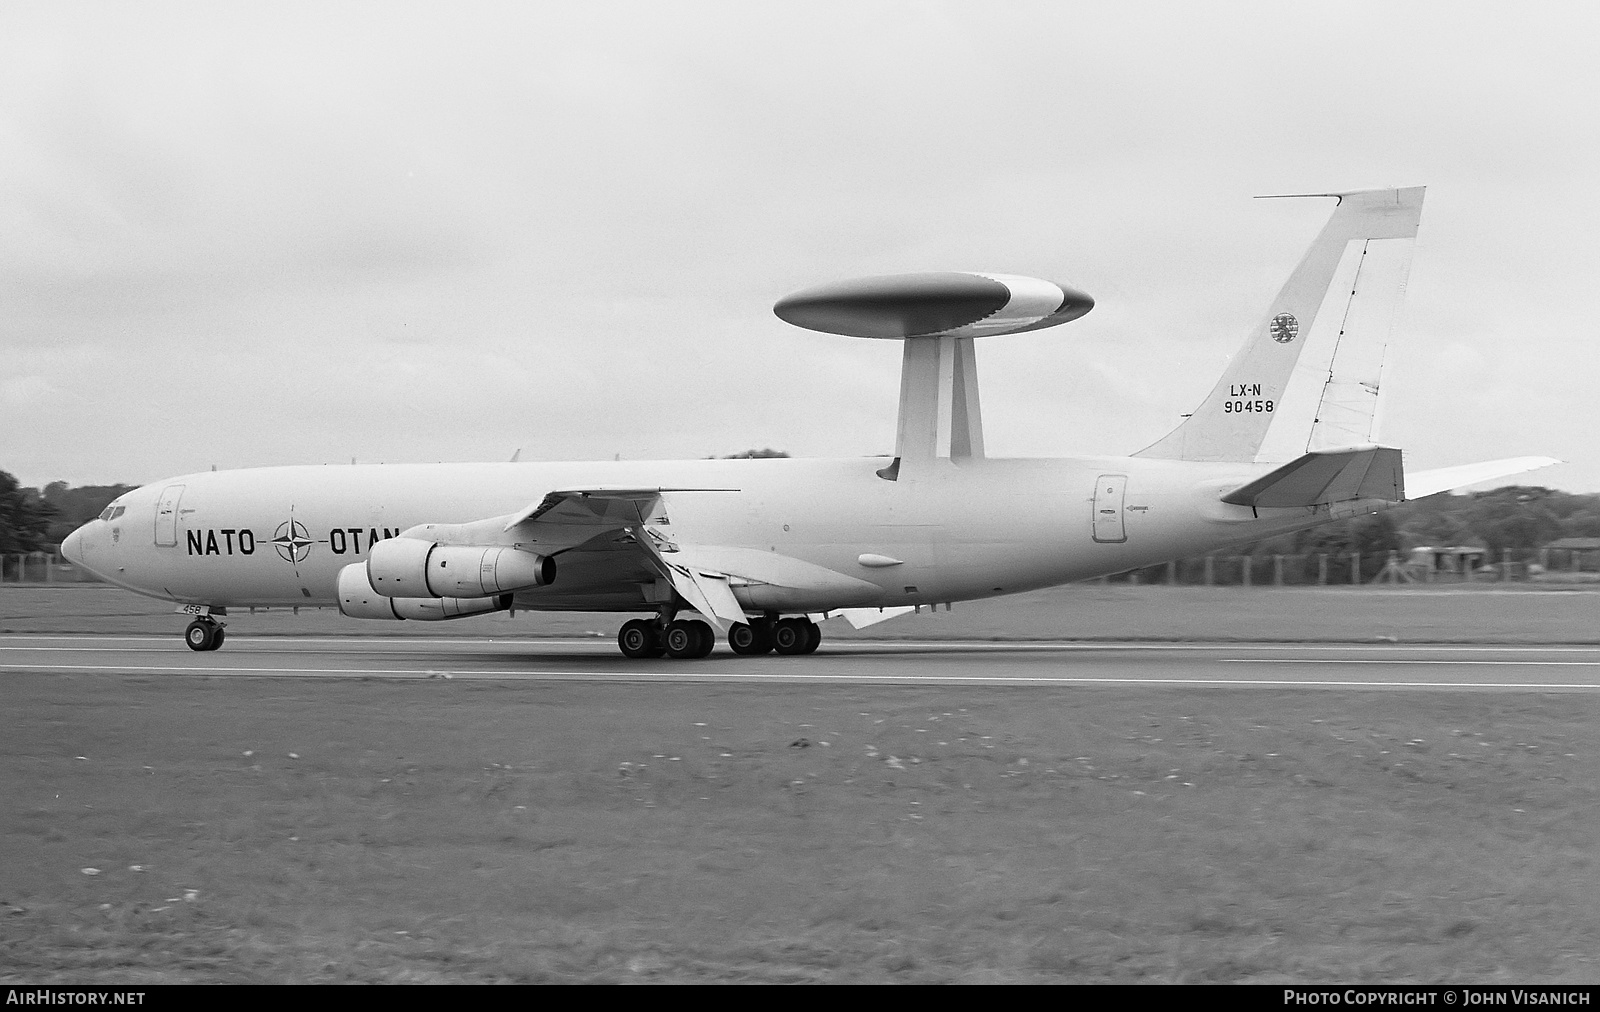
(413, 568)
(357, 599)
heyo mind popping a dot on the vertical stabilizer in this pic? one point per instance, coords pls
(1308, 376)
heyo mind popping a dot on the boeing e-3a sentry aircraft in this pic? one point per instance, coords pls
(762, 549)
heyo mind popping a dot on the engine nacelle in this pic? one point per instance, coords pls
(411, 567)
(357, 599)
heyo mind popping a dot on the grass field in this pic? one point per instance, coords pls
(261, 830)
(1480, 613)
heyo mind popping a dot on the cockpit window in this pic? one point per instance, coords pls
(118, 512)
(105, 514)
(112, 512)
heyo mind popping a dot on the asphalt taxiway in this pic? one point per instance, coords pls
(1277, 665)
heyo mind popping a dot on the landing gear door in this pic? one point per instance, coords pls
(1109, 492)
(167, 516)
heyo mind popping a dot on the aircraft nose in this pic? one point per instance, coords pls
(72, 547)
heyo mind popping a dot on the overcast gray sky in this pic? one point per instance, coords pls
(247, 234)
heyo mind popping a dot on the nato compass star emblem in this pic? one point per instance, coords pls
(292, 541)
(1283, 328)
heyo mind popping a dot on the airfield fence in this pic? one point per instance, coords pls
(1353, 568)
(41, 568)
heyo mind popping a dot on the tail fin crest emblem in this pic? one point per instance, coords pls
(1284, 328)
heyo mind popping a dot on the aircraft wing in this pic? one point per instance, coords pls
(705, 576)
(594, 506)
(567, 518)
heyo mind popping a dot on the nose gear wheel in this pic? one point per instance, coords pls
(204, 634)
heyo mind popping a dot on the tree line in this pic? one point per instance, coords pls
(1516, 518)
(36, 520)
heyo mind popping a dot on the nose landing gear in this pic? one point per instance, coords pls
(204, 634)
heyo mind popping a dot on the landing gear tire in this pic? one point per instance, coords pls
(789, 636)
(639, 638)
(708, 638)
(794, 636)
(203, 634)
(749, 640)
(686, 640)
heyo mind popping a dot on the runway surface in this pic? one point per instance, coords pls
(1275, 665)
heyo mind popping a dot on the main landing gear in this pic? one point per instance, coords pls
(679, 639)
(694, 638)
(204, 634)
(794, 636)
(790, 636)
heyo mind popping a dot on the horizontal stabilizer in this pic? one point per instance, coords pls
(1443, 479)
(1327, 476)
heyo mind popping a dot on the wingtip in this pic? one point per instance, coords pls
(1534, 463)
(1341, 194)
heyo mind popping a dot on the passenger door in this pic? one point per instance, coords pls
(167, 516)
(1109, 492)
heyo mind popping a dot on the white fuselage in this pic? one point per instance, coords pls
(279, 536)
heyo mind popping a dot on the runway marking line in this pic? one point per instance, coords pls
(9, 642)
(747, 676)
(1405, 660)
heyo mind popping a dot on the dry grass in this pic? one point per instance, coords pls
(470, 831)
(1479, 613)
